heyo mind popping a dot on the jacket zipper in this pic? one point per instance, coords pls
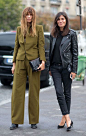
(67, 47)
(64, 51)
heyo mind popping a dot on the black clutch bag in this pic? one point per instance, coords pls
(35, 64)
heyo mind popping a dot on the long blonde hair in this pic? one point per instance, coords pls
(24, 27)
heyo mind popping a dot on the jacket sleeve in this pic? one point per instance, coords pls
(74, 52)
(50, 50)
(16, 46)
(41, 44)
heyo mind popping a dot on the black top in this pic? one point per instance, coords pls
(56, 52)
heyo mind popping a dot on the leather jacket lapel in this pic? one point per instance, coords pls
(53, 43)
(64, 39)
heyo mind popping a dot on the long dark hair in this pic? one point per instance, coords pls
(56, 30)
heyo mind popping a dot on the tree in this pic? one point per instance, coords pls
(75, 23)
(46, 20)
(10, 14)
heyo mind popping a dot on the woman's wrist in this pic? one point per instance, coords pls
(43, 62)
(14, 64)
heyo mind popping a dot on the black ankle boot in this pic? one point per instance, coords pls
(13, 126)
(34, 126)
(71, 125)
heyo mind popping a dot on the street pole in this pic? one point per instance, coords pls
(80, 9)
(80, 13)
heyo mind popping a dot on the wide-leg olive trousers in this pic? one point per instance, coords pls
(23, 69)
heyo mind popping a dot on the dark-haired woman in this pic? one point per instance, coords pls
(63, 64)
(29, 45)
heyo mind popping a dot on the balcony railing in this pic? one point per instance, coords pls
(55, 2)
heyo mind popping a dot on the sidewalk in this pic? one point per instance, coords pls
(50, 115)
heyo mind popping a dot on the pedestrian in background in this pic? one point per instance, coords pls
(29, 45)
(63, 64)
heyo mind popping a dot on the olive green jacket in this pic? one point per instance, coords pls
(32, 48)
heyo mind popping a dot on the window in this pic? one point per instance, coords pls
(67, 1)
(67, 11)
(23, 6)
(84, 9)
(33, 6)
(54, 0)
(9, 39)
(54, 10)
(42, 8)
(47, 42)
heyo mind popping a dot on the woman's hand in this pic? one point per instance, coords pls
(13, 68)
(72, 75)
(41, 66)
(50, 73)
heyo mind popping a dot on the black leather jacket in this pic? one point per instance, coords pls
(68, 50)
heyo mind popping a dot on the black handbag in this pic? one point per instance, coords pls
(35, 64)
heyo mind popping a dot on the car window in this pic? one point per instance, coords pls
(47, 42)
(7, 39)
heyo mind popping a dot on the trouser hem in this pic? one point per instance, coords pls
(65, 113)
(33, 122)
(13, 122)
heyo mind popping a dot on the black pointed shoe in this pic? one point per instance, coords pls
(34, 126)
(13, 126)
(60, 126)
(71, 125)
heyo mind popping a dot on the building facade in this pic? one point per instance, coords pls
(54, 6)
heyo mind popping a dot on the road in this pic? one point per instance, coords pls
(50, 114)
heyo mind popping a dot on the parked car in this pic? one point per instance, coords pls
(7, 42)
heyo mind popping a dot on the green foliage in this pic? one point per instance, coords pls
(10, 14)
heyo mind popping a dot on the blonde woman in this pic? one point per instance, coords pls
(29, 45)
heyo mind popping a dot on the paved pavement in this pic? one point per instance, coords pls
(50, 114)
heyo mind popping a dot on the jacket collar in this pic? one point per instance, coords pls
(63, 40)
